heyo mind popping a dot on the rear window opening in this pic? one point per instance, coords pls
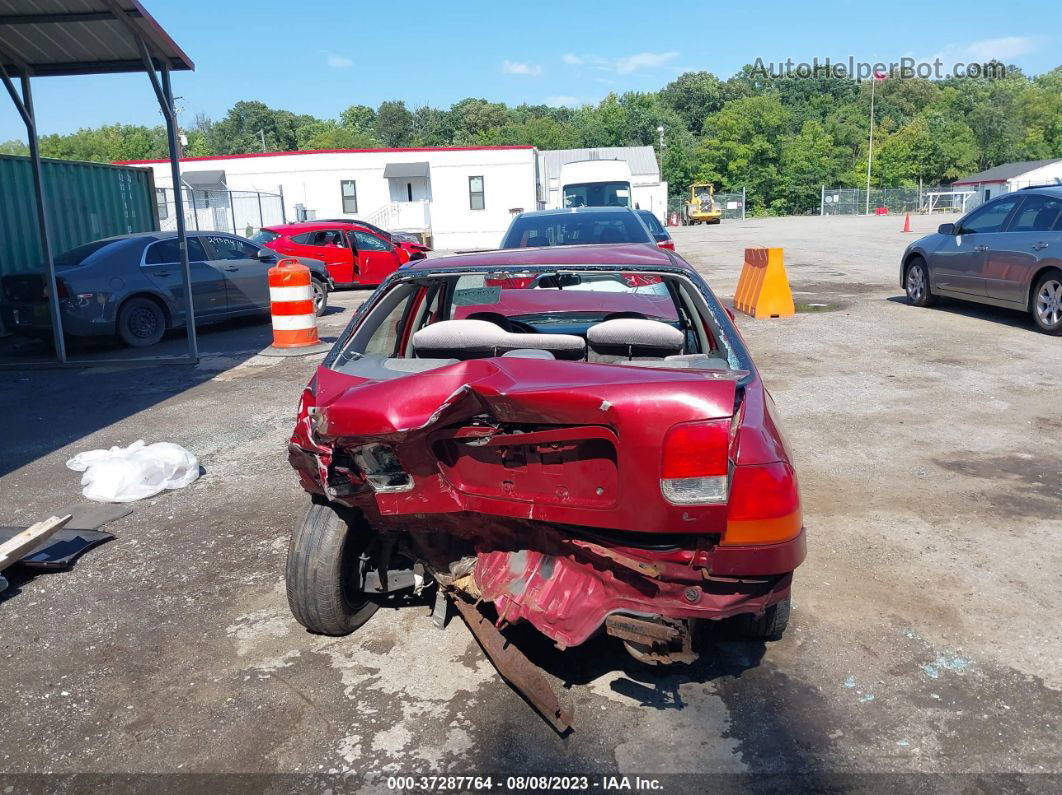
(263, 236)
(625, 317)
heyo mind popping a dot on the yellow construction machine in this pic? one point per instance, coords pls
(701, 207)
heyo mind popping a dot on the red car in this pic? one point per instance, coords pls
(575, 437)
(354, 253)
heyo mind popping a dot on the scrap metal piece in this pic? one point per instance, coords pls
(13, 549)
(440, 612)
(517, 670)
(652, 642)
(60, 550)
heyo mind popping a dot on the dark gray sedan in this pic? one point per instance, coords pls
(1007, 252)
(131, 286)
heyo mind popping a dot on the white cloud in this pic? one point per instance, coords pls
(563, 100)
(643, 60)
(1003, 48)
(339, 61)
(521, 68)
(622, 66)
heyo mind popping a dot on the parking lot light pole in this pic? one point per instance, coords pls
(24, 104)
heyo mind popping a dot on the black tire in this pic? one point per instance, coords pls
(768, 626)
(916, 283)
(141, 322)
(320, 296)
(321, 574)
(1046, 302)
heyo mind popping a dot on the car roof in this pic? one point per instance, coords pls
(310, 226)
(621, 255)
(1054, 191)
(576, 210)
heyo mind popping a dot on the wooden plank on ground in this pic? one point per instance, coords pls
(13, 550)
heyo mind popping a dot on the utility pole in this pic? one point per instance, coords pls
(870, 151)
(261, 134)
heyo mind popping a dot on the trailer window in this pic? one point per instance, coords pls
(475, 193)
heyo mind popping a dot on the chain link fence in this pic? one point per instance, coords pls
(238, 211)
(853, 201)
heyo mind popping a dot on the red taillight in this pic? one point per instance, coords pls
(695, 463)
(668, 244)
(764, 505)
(694, 449)
(62, 289)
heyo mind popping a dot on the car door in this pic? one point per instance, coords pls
(376, 258)
(331, 247)
(1016, 253)
(246, 276)
(161, 264)
(958, 264)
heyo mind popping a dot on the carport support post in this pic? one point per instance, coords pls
(25, 109)
(166, 100)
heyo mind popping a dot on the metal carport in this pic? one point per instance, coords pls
(41, 38)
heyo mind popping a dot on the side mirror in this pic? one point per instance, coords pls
(266, 255)
(946, 229)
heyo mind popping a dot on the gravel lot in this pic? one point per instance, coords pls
(925, 638)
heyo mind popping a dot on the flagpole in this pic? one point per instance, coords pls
(870, 151)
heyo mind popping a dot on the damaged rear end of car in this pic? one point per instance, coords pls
(635, 496)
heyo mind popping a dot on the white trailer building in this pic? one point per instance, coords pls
(1009, 177)
(458, 197)
(455, 197)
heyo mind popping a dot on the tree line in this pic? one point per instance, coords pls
(780, 138)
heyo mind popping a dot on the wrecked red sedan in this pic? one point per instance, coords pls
(575, 437)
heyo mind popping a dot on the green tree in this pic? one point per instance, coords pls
(740, 148)
(693, 96)
(394, 124)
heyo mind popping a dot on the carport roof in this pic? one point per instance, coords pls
(77, 37)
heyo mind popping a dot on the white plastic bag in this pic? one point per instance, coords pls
(127, 474)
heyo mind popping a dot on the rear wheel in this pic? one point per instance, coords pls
(320, 296)
(916, 283)
(141, 322)
(1047, 302)
(768, 626)
(322, 576)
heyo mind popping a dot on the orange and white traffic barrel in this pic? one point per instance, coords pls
(291, 305)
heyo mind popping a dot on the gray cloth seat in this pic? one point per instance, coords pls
(476, 339)
(691, 361)
(630, 337)
(529, 353)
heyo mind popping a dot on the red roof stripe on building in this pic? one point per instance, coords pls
(327, 152)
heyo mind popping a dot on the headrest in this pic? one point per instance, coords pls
(471, 339)
(631, 336)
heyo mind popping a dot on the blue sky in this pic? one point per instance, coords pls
(320, 56)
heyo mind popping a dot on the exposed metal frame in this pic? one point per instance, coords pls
(153, 61)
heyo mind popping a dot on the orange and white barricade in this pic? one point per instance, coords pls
(291, 305)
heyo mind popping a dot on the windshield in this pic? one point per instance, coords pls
(598, 194)
(263, 236)
(80, 255)
(576, 228)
